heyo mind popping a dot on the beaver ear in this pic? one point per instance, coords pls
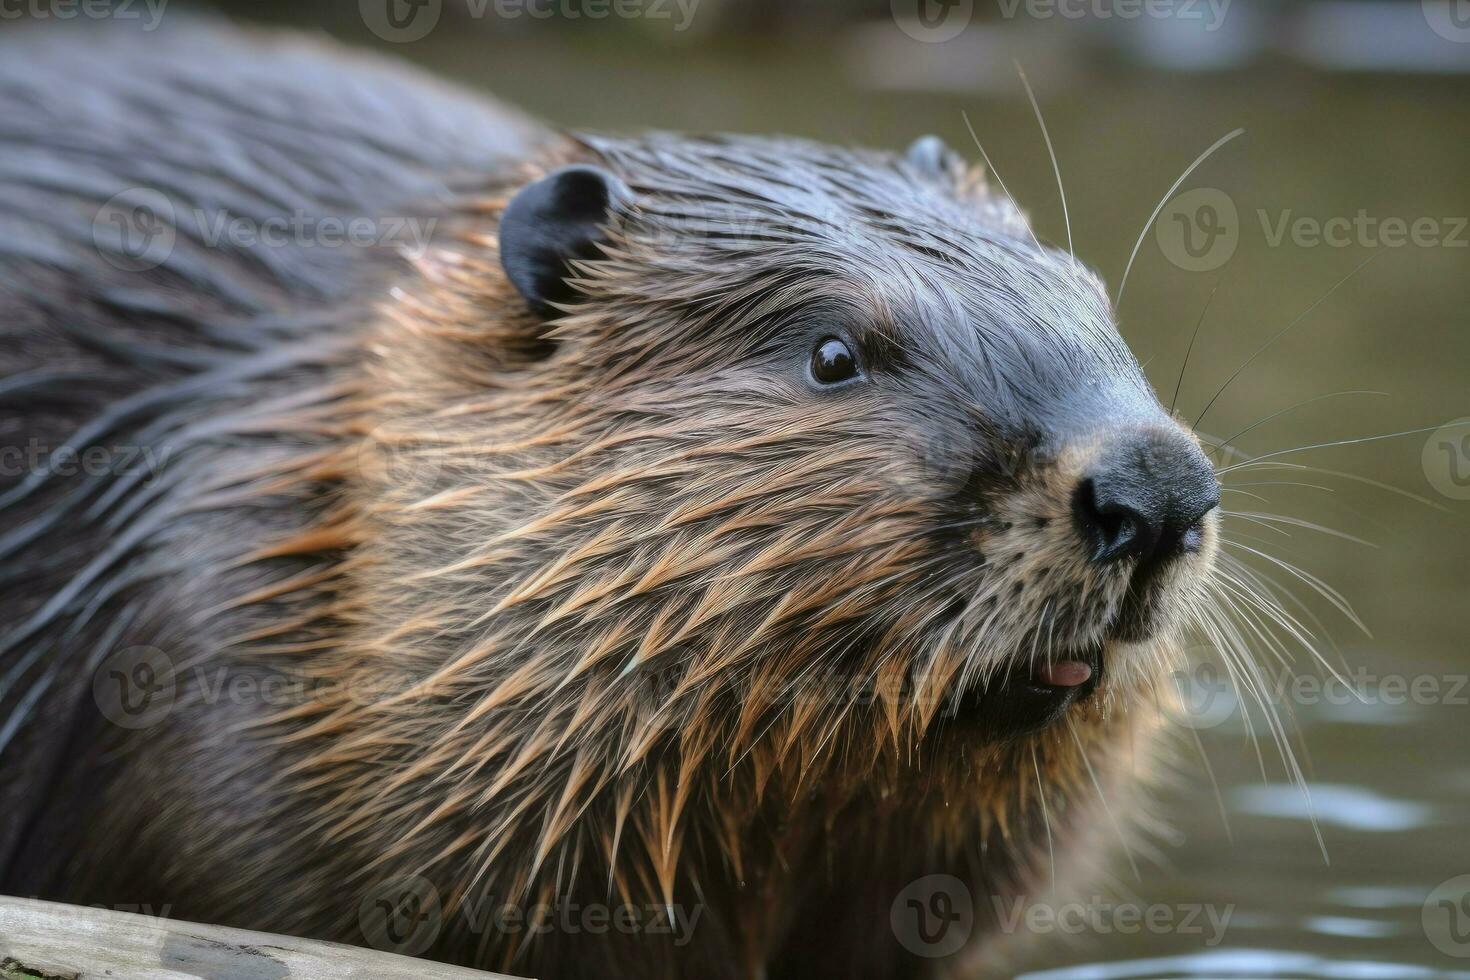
(929, 157)
(553, 221)
(933, 159)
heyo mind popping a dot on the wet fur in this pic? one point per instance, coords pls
(571, 603)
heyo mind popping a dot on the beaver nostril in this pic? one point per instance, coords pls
(1147, 500)
(1115, 528)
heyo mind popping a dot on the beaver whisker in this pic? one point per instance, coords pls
(1128, 268)
(1050, 633)
(1229, 443)
(1214, 622)
(1243, 603)
(1061, 191)
(1367, 481)
(1262, 597)
(1184, 366)
(1320, 587)
(1257, 521)
(1235, 487)
(1325, 445)
(1241, 666)
(1279, 334)
(1245, 493)
(1051, 852)
(1261, 584)
(1268, 520)
(1102, 797)
(1224, 811)
(996, 174)
(1036, 633)
(1250, 605)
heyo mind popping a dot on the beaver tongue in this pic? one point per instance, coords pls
(1067, 673)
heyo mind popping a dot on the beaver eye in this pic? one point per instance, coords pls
(833, 361)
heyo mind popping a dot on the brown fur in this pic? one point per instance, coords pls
(625, 632)
(612, 612)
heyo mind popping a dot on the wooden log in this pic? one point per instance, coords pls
(47, 941)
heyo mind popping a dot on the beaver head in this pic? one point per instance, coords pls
(713, 473)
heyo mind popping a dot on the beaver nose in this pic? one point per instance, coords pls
(1147, 498)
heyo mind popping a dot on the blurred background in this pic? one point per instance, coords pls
(1355, 147)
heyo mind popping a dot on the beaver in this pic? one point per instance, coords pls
(702, 555)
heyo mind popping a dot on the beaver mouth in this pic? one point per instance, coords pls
(1028, 696)
(1137, 619)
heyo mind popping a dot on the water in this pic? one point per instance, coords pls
(1389, 778)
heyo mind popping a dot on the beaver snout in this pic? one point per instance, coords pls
(1146, 498)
